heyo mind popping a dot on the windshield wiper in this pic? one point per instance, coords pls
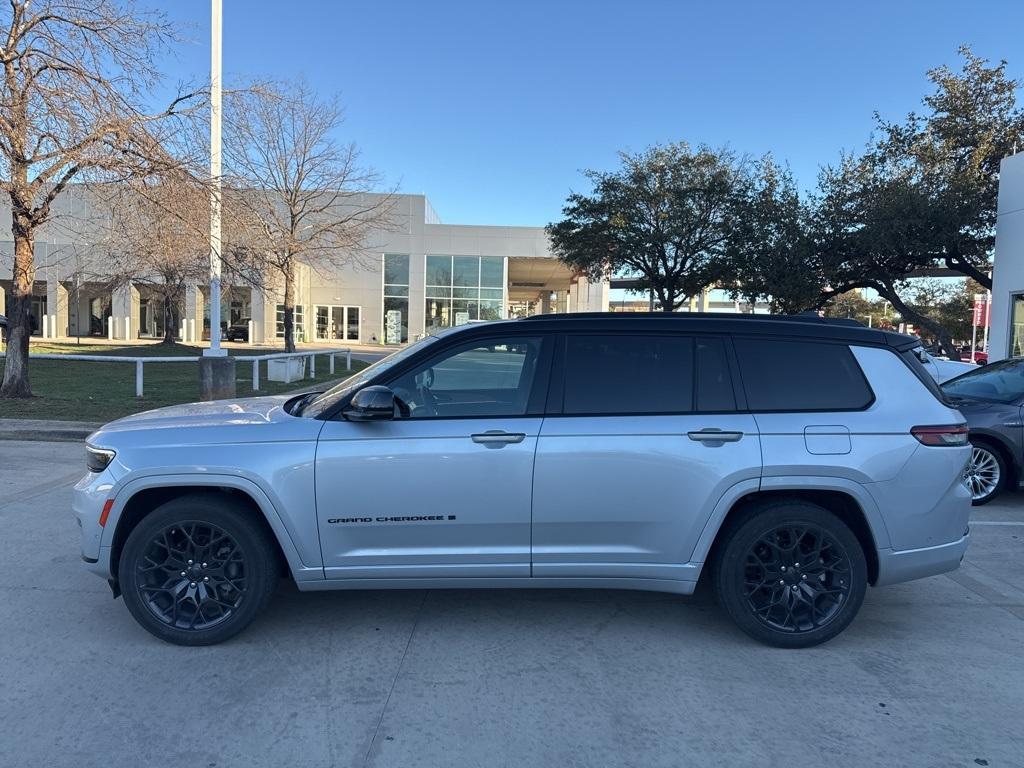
(302, 402)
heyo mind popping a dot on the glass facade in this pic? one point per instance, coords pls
(298, 321)
(463, 288)
(396, 298)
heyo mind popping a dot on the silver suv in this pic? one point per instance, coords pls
(792, 461)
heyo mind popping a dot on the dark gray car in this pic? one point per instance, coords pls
(991, 399)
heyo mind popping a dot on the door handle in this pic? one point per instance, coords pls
(713, 436)
(498, 438)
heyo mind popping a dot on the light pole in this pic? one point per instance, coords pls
(215, 172)
(216, 369)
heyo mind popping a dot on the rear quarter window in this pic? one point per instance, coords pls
(792, 375)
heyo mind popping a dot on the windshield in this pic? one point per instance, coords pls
(1001, 382)
(326, 400)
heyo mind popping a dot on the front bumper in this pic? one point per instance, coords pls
(895, 566)
(88, 498)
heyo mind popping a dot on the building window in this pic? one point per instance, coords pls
(396, 298)
(463, 288)
(1017, 326)
(298, 320)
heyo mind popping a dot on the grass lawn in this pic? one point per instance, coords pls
(77, 390)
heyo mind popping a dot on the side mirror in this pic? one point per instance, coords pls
(376, 403)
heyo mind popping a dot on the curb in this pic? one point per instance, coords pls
(42, 430)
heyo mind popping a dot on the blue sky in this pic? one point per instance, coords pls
(492, 109)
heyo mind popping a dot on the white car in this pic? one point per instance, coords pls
(943, 370)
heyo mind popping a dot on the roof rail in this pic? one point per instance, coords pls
(806, 317)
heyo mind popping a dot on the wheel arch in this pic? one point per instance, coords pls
(140, 497)
(854, 512)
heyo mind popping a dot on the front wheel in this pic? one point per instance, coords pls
(791, 574)
(985, 474)
(198, 569)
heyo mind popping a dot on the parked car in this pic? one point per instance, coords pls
(238, 331)
(991, 398)
(942, 369)
(3, 328)
(980, 355)
(791, 461)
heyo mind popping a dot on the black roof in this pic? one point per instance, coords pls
(806, 326)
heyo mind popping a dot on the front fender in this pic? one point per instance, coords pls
(304, 566)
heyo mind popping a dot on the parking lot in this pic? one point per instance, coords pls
(930, 674)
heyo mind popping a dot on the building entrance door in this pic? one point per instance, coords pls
(337, 323)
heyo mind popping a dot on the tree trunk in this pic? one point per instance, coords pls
(15, 383)
(289, 310)
(945, 341)
(169, 319)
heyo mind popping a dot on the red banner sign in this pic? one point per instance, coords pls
(982, 308)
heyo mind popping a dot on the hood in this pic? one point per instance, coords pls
(218, 413)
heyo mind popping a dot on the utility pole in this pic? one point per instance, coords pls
(216, 369)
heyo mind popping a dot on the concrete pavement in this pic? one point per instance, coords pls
(930, 674)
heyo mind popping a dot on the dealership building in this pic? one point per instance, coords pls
(414, 277)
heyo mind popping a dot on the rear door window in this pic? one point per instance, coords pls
(628, 374)
(792, 375)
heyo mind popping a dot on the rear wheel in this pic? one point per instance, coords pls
(985, 473)
(197, 570)
(791, 574)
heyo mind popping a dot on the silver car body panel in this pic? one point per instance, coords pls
(616, 501)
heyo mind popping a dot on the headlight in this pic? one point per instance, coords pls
(97, 459)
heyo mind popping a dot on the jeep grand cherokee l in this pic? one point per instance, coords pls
(793, 461)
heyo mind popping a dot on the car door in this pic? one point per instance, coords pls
(644, 436)
(446, 491)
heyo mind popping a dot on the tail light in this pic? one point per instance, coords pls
(943, 435)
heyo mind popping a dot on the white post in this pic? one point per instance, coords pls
(181, 331)
(348, 359)
(192, 330)
(330, 359)
(46, 324)
(312, 366)
(128, 328)
(138, 378)
(248, 338)
(216, 12)
(255, 375)
(110, 328)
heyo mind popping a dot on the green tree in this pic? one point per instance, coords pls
(768, 251)
(664, 216)
(871, 225)
(951, 153)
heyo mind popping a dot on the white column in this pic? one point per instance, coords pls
(194, 306)
(57, 309)
(125, 308)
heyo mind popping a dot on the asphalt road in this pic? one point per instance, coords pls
(930, 674)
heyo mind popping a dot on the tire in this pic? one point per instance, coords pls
(767, 594)
(986, 473)
(211, 603)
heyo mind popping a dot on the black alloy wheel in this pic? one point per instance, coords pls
(198, 569)
(790, 573)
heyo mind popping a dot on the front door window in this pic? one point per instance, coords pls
(484, 378)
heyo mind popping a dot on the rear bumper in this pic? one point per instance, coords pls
(895, 566)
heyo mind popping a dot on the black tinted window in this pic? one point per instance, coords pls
(628, 374)
(714, 383)
(801, 376)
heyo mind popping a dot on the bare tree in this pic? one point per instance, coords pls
(153, 232)
(305, 196)
(74, 81)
